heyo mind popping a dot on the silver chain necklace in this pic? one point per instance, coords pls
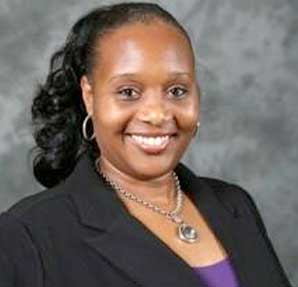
(185, 232)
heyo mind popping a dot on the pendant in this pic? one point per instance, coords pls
(187, 233)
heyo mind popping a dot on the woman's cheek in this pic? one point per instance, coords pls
(187, 118)
(113, 120)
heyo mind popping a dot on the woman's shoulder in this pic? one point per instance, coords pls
(21, 226)
(226, 191)
(235, 198)
(32, 225)
(37, 209)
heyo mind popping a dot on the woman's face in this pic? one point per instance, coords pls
(143, 98)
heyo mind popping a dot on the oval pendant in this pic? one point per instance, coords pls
(187, 233)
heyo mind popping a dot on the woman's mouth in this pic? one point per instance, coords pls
(151, 144)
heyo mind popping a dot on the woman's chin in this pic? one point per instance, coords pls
(149, 169)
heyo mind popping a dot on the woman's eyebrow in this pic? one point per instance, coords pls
(170, 75)
(123, 75)
(180, 74)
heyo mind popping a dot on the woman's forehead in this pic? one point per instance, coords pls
(134, 47)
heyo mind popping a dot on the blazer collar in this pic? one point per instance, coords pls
(94, 199)
(128, 244)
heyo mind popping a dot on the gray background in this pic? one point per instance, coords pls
(247, 66)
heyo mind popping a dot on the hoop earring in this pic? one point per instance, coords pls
(84, 129)
(196, 132)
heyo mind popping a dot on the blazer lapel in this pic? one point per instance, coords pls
(121, 239)
(130, 246)
(234, 225)
(145, 259)
(226, 224)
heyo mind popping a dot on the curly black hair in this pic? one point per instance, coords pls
(57, 109)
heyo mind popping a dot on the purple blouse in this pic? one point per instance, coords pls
(220, 274)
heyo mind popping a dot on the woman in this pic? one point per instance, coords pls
(118, 110)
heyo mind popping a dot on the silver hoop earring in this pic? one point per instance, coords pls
(197, 129)
(84, 129)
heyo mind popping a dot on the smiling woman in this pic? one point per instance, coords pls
(143, 99)
(118, 110)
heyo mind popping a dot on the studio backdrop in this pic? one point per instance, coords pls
(247, 63)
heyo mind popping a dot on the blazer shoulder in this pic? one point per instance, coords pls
(235, 197)
(224, 189)
(29, 224)
(19, 256)
(39, 207)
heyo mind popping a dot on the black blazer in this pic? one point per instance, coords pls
(79, 233)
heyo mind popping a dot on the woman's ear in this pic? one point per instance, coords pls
(87, 94)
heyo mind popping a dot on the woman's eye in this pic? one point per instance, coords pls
(128, 93)
(178, 92)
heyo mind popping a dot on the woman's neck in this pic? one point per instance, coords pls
(159, 190)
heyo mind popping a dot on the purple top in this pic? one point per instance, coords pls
(220, 274)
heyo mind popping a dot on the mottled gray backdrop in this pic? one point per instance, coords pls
(247, 57)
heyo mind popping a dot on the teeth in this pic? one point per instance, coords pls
(153, 141)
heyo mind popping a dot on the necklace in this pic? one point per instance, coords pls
(185, 232)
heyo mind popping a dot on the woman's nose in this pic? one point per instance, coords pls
(155, 113)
